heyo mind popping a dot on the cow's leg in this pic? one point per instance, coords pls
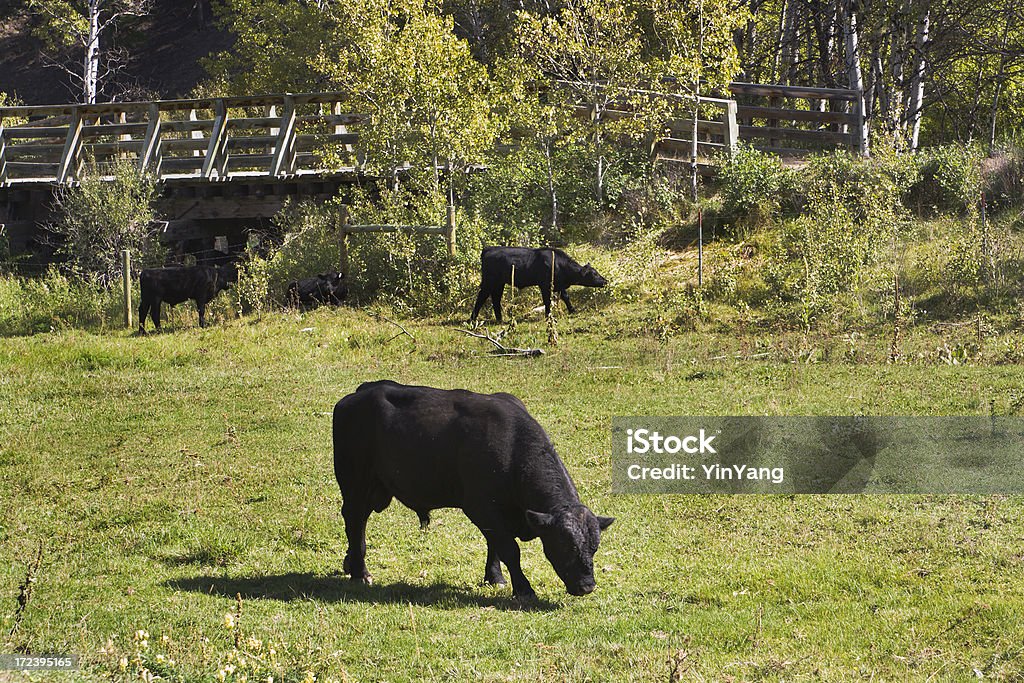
(355, 528)
(154, 313)
(201, 307)
(144, 305)
(545, 292)
(496, 301)
(564, 296)
(481, 299)
(504, 544)
(492, 571)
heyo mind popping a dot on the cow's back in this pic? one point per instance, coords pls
(432, 448)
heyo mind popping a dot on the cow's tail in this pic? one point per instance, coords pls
(353, 455)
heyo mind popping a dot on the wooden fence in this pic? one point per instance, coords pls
(785, 120)
(213, 139)
(347, 228)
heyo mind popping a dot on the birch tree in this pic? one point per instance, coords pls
(84, 25)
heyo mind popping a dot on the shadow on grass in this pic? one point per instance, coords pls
(296, 586)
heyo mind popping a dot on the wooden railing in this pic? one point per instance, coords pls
(212, 139)
(715, 137)
(795, 119)
(784, 125)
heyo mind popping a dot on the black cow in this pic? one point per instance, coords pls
(326, 288)
(483, 453)
(176, 284)
(532, 268)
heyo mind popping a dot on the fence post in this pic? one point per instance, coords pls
(343, 243)
(126, 283)
(449, 230)
(732, 127)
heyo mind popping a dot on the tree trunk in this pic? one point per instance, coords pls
(855, 78)
(916, 102)
(1000, 77)
(552, 190)
(91, 74)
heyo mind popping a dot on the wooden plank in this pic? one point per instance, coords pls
(46, 168)
(284, 149)
(795, 134)
(185, 144)
(684, 145)
(114, 129)
(191, 125)
(306, 143)
(40, 132)
(182, 163)
(784, 151)
(149, 153)
(18, 151)
(684, 127)
(113, 147)
(800, 92)
(782, 114)
(72, 146)
(216, 154)
(236, 161)
(251, 141)
(3, 155)
(732, 128)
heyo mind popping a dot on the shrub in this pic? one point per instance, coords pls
(97, 219)
(950, 180)
(754, 185)
(55, 301)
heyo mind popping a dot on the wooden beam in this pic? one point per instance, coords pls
(68, 165)
(150, 154)
(3, 155)
(732, 128)
(284, 150)
(216, 154)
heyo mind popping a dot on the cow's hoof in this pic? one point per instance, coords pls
(365, 579)
(499, 581)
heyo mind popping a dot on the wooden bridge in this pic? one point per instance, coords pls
(224, 165)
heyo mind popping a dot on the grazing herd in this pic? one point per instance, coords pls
(433, 448)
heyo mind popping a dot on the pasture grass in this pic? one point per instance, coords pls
(165, 476)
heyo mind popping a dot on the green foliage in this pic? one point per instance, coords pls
(56, 301)
(252, 291)
(97, 219)
(754, 185)
(951, 179)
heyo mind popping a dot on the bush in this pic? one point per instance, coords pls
(950, 180)
(754, 185)
(55, 301)
(97, 219)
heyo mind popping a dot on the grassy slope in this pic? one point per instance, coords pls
(166, 474)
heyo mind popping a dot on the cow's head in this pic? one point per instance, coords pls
(570, 536)
(227, 274)
(589, 277)
(336, 284)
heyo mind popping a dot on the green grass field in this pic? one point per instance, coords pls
(165, 475)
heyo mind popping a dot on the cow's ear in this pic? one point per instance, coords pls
(539, 520)
(604, 522)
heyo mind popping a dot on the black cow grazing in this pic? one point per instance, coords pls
(176, 284)
(326, 288)
(532, 268)
(483, 453)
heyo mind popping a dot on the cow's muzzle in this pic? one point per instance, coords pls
(582, 589)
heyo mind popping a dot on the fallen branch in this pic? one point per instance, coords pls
(25, 591)
(403, 330)
(501, 349)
